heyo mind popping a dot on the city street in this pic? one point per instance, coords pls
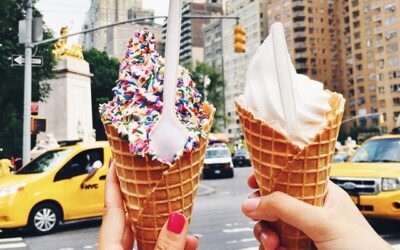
(217, 220)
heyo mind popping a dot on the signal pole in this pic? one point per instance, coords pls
(26, 141)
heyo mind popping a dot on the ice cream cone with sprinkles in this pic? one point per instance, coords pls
(153, 188)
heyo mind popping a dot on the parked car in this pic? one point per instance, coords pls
(241, 158)
(372, 177)
(218, 163)
(62, 184)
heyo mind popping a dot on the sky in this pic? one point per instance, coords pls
(58, 13)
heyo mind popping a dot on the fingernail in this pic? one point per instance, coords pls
(176, 222)
(251, 204)
(263, 238)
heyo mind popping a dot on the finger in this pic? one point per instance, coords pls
(173, 233)
(280, 206)
(266, 236)
(192, 243)
(254, 194)
(129, 237)
(113, 214)
(252, 182)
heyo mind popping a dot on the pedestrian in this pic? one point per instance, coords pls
(5, 167)
(337, 225)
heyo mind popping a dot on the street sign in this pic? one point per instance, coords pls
(19, 60)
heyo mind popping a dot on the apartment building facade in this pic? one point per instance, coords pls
(113, 40)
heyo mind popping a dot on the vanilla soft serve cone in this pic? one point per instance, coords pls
(294, 162)
(153, 188)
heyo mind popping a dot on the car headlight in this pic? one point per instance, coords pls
(12, 189)
(390, 184)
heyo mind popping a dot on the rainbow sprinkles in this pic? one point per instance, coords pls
(138, 98)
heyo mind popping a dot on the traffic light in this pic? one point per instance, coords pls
(240, 39)
(38, 125)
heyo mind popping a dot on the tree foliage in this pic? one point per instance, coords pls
(12, 78)
(215, 91)
(105, 73)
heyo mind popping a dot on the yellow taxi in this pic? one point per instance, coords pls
(62, 184)
(372, 177)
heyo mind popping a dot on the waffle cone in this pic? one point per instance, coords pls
(282, 166)
(152, 190)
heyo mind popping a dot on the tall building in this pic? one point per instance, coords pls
(252, 15)
(192, 46)
(351, 47)
(213, 56)
(311, 38)
(372, 45)
(113, 40)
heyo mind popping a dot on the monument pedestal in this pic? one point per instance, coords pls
(68, 108)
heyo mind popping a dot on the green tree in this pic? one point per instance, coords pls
(12, 78)
(215, 91)
(105, 73)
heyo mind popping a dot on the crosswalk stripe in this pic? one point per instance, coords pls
(12, 245)
(11, 239)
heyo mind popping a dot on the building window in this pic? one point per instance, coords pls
(310, 19)
(357, 35)
(370, 53)
(356, 24)
(360, 90)
(373, 98)
(395, 88)
(358, 57)
(391, 34)
(359, 67)
(392, 47)
(354, 3)
(394, 74)
(394, 61)
(382, 103)
(381, 89)
(356, 14)
(357, 46)
(371, 65)
(396, 101)
(390, 20)
(368, 20)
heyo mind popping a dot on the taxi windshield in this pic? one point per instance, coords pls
(216, 153)
(45, 161)
(380, 150)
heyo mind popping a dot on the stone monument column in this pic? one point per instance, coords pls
(68, 109)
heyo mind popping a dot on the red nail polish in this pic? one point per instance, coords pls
(176, 222)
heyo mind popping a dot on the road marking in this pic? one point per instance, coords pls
(12, 243)
(88, 247)
(237, 230)
(248, 239)
(11, 239)
(231, 242)
(66, 248)
(249, 248)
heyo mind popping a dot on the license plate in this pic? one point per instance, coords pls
(354, 199)
(217, 171)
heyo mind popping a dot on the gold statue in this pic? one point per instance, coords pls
(61, 49)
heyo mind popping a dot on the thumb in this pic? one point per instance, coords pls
(173, 233)
(280, 206)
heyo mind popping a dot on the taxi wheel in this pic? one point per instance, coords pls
(44, 218)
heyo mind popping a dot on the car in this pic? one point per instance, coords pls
(372, 177)
(241, 158)
(218, 163)
(62, 184)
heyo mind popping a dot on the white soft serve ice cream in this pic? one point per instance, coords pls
(262, 97)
